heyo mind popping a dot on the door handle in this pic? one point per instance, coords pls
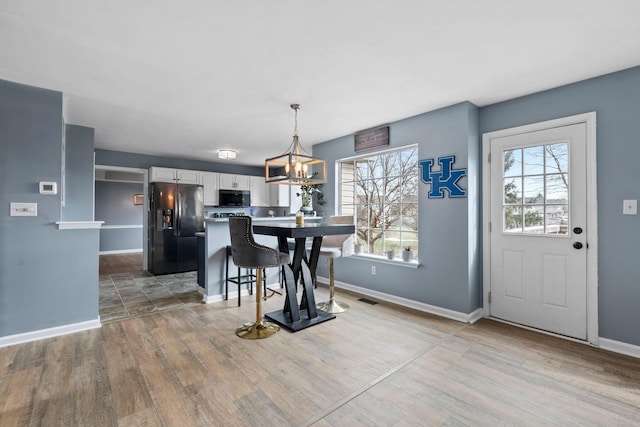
(577, 245)
(577, 230)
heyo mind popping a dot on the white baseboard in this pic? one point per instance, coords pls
(619, 347)
(49, 333)
(122, 251)
(420, 306)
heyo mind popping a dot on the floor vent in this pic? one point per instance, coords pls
(368, 301)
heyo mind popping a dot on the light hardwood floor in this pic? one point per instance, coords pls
(375, 365)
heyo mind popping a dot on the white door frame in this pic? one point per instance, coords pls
(589, 119)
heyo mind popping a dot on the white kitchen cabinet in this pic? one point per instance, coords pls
(209, 181)
(182, 176)
(157, 174)
(259, 191)
(229, 181)
(279, 195)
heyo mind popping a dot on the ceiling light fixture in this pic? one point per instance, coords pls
(296, 166)
(227, 154)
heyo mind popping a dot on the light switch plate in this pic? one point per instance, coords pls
(630, 207)
(24, 209)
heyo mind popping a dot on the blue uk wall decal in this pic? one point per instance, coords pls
(444, 179)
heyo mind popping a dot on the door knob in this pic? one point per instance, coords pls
(577, 245)
(577, 230)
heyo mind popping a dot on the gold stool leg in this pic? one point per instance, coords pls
(332, 306)
(258, 329)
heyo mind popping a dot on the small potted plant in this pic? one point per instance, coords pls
(391, 253)
(306, 196)
(407, 254)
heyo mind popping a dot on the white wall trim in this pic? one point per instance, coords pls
(114, 227)
(620, 347)
(121, 251)
(420, 306)
(589, 119)
(79, 225)
(49, 332)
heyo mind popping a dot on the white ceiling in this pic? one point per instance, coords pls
(185, 78)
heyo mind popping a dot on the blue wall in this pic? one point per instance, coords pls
(78, 167)
(48, 277)
(114, 206)
(616, 100)
(449, 245)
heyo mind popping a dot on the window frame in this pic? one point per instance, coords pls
(404, 231)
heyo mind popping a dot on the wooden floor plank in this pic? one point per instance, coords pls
(374, 365)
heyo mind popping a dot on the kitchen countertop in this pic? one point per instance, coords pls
(266, 218)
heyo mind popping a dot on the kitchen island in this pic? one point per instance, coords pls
(215, 254)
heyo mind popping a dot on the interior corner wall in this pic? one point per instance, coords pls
(78, 194)
(48, 277)
(443, 279)
(474, 209)
(616, 100)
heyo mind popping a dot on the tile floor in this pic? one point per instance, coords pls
(132, 293)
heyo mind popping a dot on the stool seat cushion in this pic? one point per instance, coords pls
(246, 252)
(330, 252)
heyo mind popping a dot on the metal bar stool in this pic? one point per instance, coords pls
(335, 247)
(240, 279)
(246, 253)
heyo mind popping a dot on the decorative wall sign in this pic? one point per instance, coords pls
(373, 138)
(444, 179)
(138, 199)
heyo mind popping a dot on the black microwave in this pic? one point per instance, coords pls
(238, 198)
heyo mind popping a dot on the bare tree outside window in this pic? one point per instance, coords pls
(536, 189)
(382, 192)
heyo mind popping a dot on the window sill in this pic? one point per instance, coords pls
(384, 260)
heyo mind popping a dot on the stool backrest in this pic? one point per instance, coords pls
(342, 241)
(246, 253)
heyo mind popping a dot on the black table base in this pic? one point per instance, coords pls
(284, 319)
(296, 316)
(299, 316)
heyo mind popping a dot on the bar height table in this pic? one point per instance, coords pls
(296, 316)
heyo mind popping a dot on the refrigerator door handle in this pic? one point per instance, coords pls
(178, 219)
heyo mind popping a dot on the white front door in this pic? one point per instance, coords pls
(539, 230)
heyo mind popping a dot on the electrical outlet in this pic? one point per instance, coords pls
(373, 270)
(630, 207)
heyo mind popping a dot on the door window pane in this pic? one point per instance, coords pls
(533, 160)
(534, 220)
(557, 157)
(512, 162)
(536, 190)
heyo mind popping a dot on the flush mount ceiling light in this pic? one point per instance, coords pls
(296, 166)
(227, 154)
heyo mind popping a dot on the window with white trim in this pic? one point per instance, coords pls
(381, 191)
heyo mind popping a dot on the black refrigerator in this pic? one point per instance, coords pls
(176, 214)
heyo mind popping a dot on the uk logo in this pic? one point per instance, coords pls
(444, 179)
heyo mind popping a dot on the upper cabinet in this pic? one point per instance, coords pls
(157, 174)
(181, 176)
(209, 181)
(184, 176)
(279, 195)
(234, 182)
(259, 191)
